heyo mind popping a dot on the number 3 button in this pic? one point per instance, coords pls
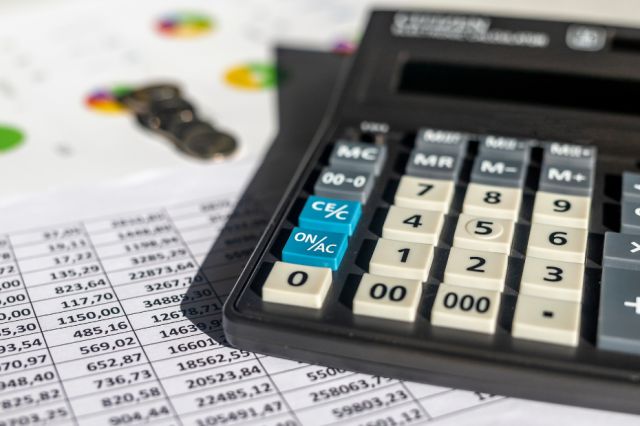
(389, 298)
(297, 285)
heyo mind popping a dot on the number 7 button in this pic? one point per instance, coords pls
(426, 194)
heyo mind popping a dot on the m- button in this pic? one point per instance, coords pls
(621, 251)
(498, 172)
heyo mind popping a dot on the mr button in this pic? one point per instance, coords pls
(315, 248)
(331, 215)
(434, 165)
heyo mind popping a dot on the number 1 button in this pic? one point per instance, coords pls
(297, 285)
(400, 259)
(389, 298)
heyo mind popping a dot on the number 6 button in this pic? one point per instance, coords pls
(557, 242)
(389, 298)
(297, 285)
(563, 210)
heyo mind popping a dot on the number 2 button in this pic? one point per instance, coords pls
(297, 285)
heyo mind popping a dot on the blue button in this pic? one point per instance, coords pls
(330, 215)
(315, 248)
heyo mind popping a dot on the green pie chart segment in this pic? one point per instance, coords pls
(10, 138)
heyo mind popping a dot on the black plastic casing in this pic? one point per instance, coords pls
(372, 106)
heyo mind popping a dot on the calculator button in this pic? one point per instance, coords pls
(413, 225)
(506, 147)
(567, 153)
(360, 156)
(477, 269)
(466, 308)
(426, 194)
(443, 141)
(547, 320)
(557, 242)
(552, 279)
(497, 171)
(330, 215)
(566, 180)
(315, 248)
(433, 165)
(389, 298)
(492, 201)
(483, 233)
(563, 210)
(401, 259)
(631, 186)
(630, 220)
(297, 285)
(621, 251)
(344, 184)
(619, 318)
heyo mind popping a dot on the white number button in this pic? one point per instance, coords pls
(400, 259)
(426, 194)
(492, 201)
(483, 233)
(478, 269)
(563, 210)
(413, 225)
(552, 279)
(389, 298)
(557, 242)
(547, 320)
(297, 285)
(466, 309)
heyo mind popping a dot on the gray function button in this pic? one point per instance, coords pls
(429, 164)
(630, 223)
(443, 141)
(344, 184)
(567, 180)
(506, 148)
(569, 154)
(498, 172)
(358, 156)
(619, 318)
(621, 251)
(631, 186)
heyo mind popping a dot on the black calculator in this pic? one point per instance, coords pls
(468, 215)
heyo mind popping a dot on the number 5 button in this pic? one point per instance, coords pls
(389, 298)
(480, 233)
(557, 242)
(297, 285)
(563, 210)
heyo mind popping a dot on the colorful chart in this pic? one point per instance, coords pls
(184, 25)
(344, 47)
(252, 76)
(106, 100)
(10, 138)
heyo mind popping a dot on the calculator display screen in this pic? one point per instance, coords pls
(523, 86)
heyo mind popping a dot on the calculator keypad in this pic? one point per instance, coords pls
(481, 230)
